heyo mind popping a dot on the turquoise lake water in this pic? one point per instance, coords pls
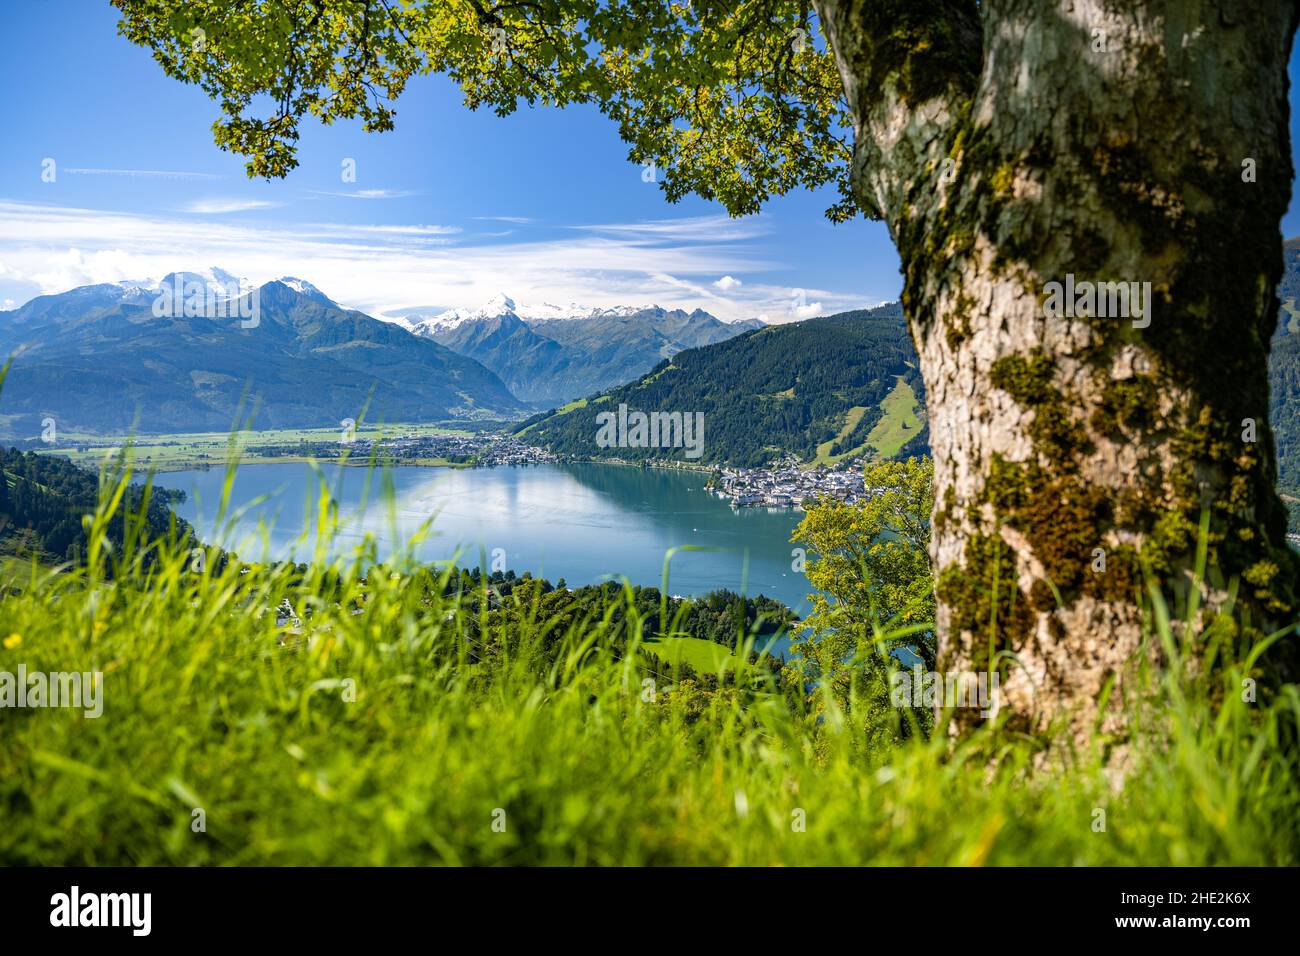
(583, 522)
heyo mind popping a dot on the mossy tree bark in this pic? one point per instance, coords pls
(1128, 142)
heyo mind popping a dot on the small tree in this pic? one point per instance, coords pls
(874, 596)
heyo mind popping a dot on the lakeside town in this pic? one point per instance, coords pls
(787, 485)
(482, 449)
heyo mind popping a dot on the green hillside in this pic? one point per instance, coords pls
(43, 500)
(817, 389)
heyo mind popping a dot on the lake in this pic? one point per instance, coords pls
(584, 522)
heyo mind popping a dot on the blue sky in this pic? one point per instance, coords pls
(446, 211)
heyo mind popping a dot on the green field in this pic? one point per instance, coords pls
(564, 409)
(704, 656)
(195, 449)
(899, 424)
(824, 456)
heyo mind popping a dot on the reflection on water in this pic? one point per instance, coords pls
(583, 522)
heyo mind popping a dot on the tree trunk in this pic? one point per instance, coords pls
(1076, 449)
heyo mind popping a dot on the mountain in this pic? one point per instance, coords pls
(114, 357)
(535, 368)
(821, 390)
(1284, 382)
(429, 325)
(549, 355)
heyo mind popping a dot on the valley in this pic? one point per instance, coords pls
(400, 444)
(551, 355)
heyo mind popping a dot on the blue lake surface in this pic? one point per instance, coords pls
(583, 522)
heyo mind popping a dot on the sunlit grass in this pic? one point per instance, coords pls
(384, 732)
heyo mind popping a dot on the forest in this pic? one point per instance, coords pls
(791, 384)
(43, 499)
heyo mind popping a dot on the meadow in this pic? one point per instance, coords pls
(394, 724)
(182, 451)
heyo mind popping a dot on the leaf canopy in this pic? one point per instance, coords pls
(734, 102)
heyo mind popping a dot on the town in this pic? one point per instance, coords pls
(483, 449)
(787, 485)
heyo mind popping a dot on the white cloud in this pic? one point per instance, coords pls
(139, 173)
(370, 193)
(688, 229)
(218, 206)
(727, 283)
(383, 268)
(393, 230)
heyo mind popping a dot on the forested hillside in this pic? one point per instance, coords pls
(1284, 384)
(43, 499)
(786, 389)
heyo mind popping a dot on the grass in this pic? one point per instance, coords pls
(704, 656)
(899, 423)
(401, 734)
(824, 456)
(564, 409)
(194, 449)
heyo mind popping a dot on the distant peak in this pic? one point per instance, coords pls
(212, 277)
(299, 285)
(499, 304)
(306, 289)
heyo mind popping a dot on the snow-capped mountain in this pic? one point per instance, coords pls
(222, 284)
(573, 310)
(431, 323)
(549, 354)
(303, 287)
(305, 361)
(217, 281)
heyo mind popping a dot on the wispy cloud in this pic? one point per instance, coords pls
(139, 173)
(218, 206)
(383, 268)
(688, 229)
(369, 193)
(517, 220)
(399, 230)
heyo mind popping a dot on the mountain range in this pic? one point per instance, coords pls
(101, 358)
(98, 358)
(106, 358)
(550, 355)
